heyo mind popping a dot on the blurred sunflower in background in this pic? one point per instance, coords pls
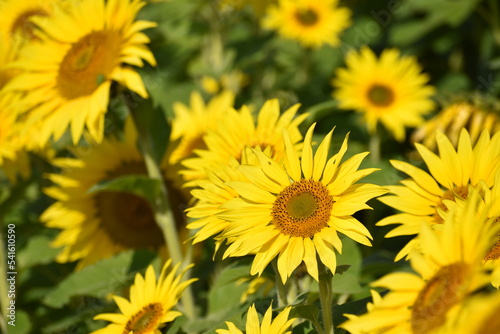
(422, 198)
(189, 126)
(313, 23)
(279, 325)
(150, 305)
(453, 118)
(97, 225)
(448, 269)
(14, 160)
(67, 75)
(390, 90)
(192, 122)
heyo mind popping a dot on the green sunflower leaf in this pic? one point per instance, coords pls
(37, 251)
(21, 324)
(99, 279)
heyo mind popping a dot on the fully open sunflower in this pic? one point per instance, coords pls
(67, 76)
(97, 225)
(448, 270)
(390, 90)
(296, 210)
(312, 22)
(422, 197)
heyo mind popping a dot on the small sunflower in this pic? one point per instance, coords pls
(151, 303)
(98, 225)
(279, 325)
(448, 270)
(238, 130)
(294, 212)
(67, 76)
(452, 119)
(312, 22)
(390, 90)
(422, 197)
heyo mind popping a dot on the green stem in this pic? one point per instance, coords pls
(281, 290)
(165, 218)
(374, 147)
(325, 297)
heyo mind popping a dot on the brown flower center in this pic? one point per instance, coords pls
(380, 95)
(128, 219)
(302, 209)
(145, 321)
(494, 252)
(461, 191)
(442, 291)
(307, 17)
(88, 63)
(23, 24)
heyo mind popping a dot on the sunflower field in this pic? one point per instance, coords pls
(249, 166)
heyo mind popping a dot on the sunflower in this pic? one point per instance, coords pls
(279, 325)
(448, 270)
(17, 22)
(14, 159)
(490, 202)
(390, 90)
(422, 197)
(151, 303)
(294, 212)
(191, 123)
(238, 130)
(67, 76)
(311, 22)
(97, 225)
(452, 119)
(8, 147)
(210, 197)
